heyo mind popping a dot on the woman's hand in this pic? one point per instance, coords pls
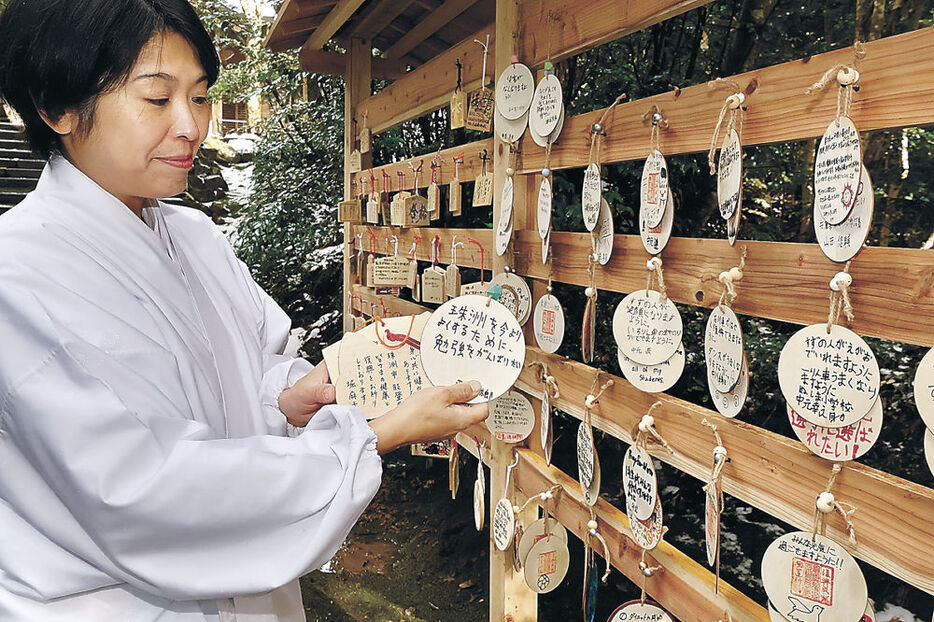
(430, 415)
(301, 401)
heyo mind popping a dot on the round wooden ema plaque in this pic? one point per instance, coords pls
(730, 175)
(639, 483)
(588, 464)
(837, 167)
(604, 233)
(655, 239)
(543, 213)
(547, 430)
(712, 524)
(509, 130)
(637, 611)
(454, 471)
(813, 578)
(591, 195)
(832, 380)
(647, 328)
(504, 524)
(723, 348)
(924, 388)
(729, 404)
(929, 448)
(653, 195)
(505, 215)
(514, 91)
(473, 338)
(775, 616)
(542, 141)
(503, 237)
(479, 509)
(841, 242)
(732, 225)
(652, 378)
(546, 244)
(546, 106)
(548, 323)
(535, 532)
(839, 444)
(546, 564)
(516, 294)
(648, 533)
(511, 417)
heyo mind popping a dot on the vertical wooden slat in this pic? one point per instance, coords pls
(357, 81)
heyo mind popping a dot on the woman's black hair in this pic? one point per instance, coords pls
(61, 55)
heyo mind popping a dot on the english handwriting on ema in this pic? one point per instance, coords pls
(638, 616)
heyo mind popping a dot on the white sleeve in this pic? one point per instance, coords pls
(169, 510)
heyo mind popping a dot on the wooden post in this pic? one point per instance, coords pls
(357, 85)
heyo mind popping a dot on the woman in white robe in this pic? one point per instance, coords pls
(148, 470)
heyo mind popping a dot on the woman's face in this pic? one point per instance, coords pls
(145, 134)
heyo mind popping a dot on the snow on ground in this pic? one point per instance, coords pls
(296, 337)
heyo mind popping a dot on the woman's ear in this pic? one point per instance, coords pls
(64, 125)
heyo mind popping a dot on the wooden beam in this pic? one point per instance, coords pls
(335, 64)
(468, 256)
(284, 27)
(466, 172)
(332, 23)
(379, 17)
(773, 473)
(778, 109)
(781, 280)
(584, 24)
(429, 86)
(684, 587)
(428, 26)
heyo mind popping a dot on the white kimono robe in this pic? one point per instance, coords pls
(145, 469)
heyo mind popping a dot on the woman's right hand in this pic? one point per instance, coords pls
(430, 415)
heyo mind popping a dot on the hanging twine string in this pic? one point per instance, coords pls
(546, 378)
(598, 132)
(647, 429)
(655, 275)
(729, 278)
(716, 483)
(659, 122)
(847, 76)
(732, 105)
(840, 297)
(592, 399)
(827, 504)
(647, 572)
(593, 531)
(541, 498)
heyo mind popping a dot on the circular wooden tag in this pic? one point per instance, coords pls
(775, 616)
(509, 130)
(542, 141)
(712, 524)
(591, 195)
(511, 417)
(546, 564)
(585, 455)
(546, 106)
(503, 238)
(648, 533)
(841, 242)
(813, 578)
(454, 471)
(639, 483)
(514, 91)
(592, 493)
(652, 378)
(504, 524)
(479, 509)
(647, 329)
(604, 242)
(637, 611)
(655, 239)
(548, 323)
(832, 380)
(730, 175)
(517, 536)
(839, 444)
(535, 532)
(543, 213)
(729, 404)
(506, 201)
(546, 244)
(515, 287)
(929, 448)
(924, 388)
(653, 196)
(732, 225)
(473, 338)
(723, 348)
(837, 171)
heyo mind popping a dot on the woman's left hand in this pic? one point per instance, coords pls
(301, 401)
